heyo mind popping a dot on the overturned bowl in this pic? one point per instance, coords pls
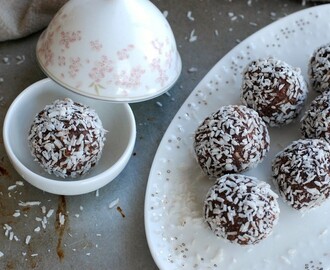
(115, 50)
(117, 119)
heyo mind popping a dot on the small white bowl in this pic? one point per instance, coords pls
(117, 118)
(116, 50)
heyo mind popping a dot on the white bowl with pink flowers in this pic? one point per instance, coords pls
(116, 50)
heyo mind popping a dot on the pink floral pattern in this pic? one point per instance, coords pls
(67, 38)
(74, 67)
(96, 45)
(100, 72)
(158, 45)
(61, 61)
(124, 53)
(130, 79)
(45, 50)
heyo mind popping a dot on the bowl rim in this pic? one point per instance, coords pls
(66, 187)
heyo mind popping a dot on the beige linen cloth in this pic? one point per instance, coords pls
(19, 18)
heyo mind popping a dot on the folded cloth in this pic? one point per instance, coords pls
(19, 18)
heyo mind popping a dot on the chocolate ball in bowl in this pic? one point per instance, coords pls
(66, 138)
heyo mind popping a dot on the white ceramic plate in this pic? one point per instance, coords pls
(176, 234)
(117, 119)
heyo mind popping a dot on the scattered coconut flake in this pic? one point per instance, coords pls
(24, 253)
(192, 70)
(16, 214)
(11, 187)
(324, 232)
(165, 13)
(253, 24)
(76, 215)
(81, 208)
(20, 59)
(1, 80)
(19, 183)
(1, 254)
(216, 32)
(50, 213)
(98, 234)
(32, 203)
(43, 209)
(292, 251)
(37, 229)
(88, 254)
(159, 104)
(286, 260)
(5, 60)
(192, 37)
(11, 235)
(27, 239)
(61, 218)
(189, 15)
(34, 255)
(114, 203)
(16, 238)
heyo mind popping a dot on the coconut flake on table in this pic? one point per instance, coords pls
(31, 203)
(1, 254)
(17, 213)
(189, 16)
(165, 13)
(6, 60)
(20, 59)
(11, 187)
(114, 203)
(192, 37)
(192, 69)
(61, 218)
(50, 213)
(27, 239)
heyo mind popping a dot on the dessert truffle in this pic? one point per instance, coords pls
(231, 140)
(319, 69)
(301, 172)
(274, 89)
(241, 209)
(66, 138)
(315, 123)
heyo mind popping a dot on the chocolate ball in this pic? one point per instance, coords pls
(241, 209)
(66, 138)
(315, 123)
(319, 69)
(301, 172)
(233, 139)
(276, 90)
